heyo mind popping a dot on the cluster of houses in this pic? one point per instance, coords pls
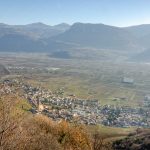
(23, 69)
(128, 80)
(83, 111)
(7, 87)
(126, 116)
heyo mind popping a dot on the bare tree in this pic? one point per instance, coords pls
(99, 143)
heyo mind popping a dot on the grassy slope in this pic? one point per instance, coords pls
(111, 133)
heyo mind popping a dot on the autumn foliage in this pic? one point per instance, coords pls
(20, 130)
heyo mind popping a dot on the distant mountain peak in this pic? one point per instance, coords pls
(62, 26)
(38, 24)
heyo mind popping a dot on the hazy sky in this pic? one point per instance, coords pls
(112, 12)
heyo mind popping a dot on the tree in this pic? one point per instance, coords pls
(72, 136)
(99, 143)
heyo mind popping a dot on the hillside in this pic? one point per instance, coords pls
(18, 42)
(142, 57)
(99, 36)
(41, 37)
(142, 33)
(81, 40)
(139, 140)
(35, 30)
(19, 129)
(3, 70)
(37, 131)
(145, 41)
(139, 30)
(27, 38)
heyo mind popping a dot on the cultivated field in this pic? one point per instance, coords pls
(86, 79)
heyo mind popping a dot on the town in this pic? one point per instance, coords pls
(73, 109)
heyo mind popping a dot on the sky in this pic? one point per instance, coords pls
(51, 12)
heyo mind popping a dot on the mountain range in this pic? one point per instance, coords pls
(78, 38)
